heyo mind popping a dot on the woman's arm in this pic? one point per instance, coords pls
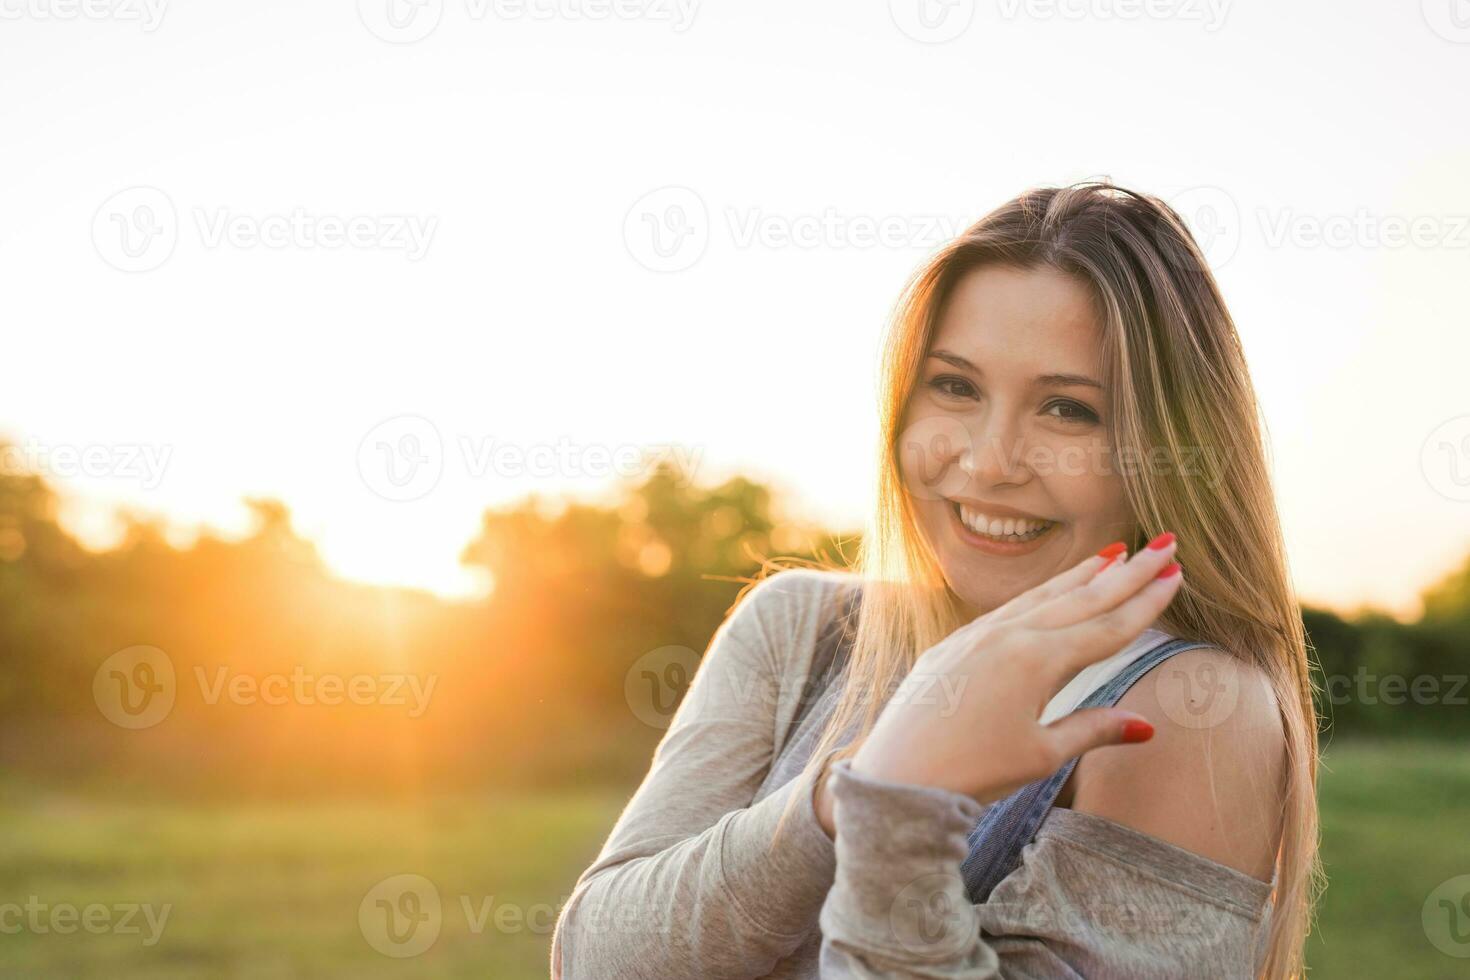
(693, 881)
(906, 801)
(898, 906)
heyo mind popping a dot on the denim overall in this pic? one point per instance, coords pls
(1009, 824)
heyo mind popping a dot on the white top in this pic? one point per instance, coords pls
(1094, 676)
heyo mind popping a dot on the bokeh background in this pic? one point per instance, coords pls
(401, 392)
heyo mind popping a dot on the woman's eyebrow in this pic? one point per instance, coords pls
(1042, 381)
(954, 359)
(1067, 380)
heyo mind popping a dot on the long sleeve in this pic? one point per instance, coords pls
(693, 880)
(1092, 898)
(898, 907)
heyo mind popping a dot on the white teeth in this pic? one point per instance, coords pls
(1009, 527)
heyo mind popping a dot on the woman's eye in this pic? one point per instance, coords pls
(952, 386)
(1069, 411)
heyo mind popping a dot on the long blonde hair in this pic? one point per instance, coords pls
(1179, 386)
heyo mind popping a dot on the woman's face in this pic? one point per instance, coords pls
(1006, 447)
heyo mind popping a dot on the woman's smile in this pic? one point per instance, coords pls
(1007, 401)
(998, 530)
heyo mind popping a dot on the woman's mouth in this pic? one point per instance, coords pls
(999, 535)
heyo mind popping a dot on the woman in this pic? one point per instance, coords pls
(873, 773)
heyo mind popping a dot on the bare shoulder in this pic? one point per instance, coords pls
(1211, 779)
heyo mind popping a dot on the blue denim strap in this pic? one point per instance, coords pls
(1011, 823)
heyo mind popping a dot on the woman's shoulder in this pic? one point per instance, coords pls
(1211, 780)
(784, 612)
(1125, 903)
(803, 580)
(794, 593)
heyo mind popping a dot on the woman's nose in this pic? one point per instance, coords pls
(995, 452)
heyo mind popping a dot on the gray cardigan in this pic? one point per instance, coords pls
(694, 881)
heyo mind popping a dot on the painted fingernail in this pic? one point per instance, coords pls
(1162, 541)
(1137, 731)
(1170, 569)
(1113, 550)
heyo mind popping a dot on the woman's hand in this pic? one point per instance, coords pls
(822, 801)
(1006, 666)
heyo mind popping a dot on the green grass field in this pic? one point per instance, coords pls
(1395, 824)
(270, 891)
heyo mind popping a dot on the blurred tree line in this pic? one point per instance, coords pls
(528, 684)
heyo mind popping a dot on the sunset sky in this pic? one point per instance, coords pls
(393, 265)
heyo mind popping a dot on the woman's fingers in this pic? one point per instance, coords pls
(1107, 589)
(1092, 728)
(1060, 583)
(1103, 635)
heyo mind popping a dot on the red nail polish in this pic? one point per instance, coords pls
(1112, 551)
(1162, 541)
(1170, 569)
(1137, 731)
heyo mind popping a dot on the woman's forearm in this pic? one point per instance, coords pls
(726, 903)
(898, 907)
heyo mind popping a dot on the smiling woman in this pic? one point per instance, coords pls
(1021, 558)
(1035, 332)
